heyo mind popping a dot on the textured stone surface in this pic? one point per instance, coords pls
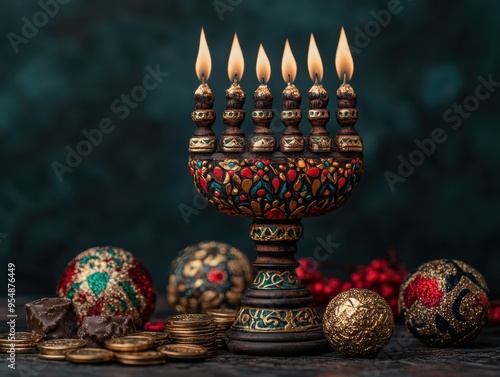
(404, 356)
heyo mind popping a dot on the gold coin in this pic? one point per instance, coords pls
(192, 333)
(189, 320)
(129, 343)
(156, 335)
(47, 356)
(223, 312)
(183, 351)
(19, 338)
(141, 362)
(140, 358)
(89, 355)
(60, 346)
(144, 355)
(18, 349)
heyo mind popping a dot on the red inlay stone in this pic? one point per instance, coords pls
(292, 174)
(218, 173)
(341, 182)
(276, 184)
(313, 172)
(247, 173)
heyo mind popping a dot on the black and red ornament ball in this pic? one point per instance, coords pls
(108, 281)
(445, 303)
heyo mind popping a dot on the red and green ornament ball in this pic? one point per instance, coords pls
(108, 281)
(444, 303)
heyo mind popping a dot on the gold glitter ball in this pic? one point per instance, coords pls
(445, 303)
(358, 322)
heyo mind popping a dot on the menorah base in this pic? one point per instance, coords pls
(266, 344)
(276, 317)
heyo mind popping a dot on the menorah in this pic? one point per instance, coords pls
(275, 183)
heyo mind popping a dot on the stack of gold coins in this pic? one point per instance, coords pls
(56, 349)
(19, 342)
(140, 358)
(129, 344)
(135, 350)
(224, 318)
(198, 329)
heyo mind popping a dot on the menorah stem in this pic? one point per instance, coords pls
(275, 317)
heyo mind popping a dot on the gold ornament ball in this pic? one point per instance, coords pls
(358, 322)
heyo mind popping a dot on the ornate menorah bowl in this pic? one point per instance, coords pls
(276, 188)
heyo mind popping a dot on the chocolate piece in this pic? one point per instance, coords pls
(52, 318)
(96, 330)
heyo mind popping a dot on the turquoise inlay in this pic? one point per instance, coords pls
(97, 282)
(124, 306)
(129, 291)
(72, 290)
(86, 258)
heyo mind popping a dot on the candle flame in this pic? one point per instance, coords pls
(314, 62)
(236, 63)
(288, 64)
(343, 58)
(203, 60)
(263, 66)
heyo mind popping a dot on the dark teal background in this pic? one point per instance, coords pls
(127, 192)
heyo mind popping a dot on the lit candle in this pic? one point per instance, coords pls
(233, 139)
(347, 138)
(291, 139)
(319, 139)
(262, 139)
(203, 139)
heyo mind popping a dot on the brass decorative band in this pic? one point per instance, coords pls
(262, 143)
(320, 143)
(262, 114)
(232, 143)
(276, 232)
(349, 143)
(347, 113)
(292, 143)
(203, 144)
(291, 114)
(277, 320)
(205, 114)
(318, 114)
(233, 114)
(276, 280)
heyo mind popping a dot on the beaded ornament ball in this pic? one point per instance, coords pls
(108, 281)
